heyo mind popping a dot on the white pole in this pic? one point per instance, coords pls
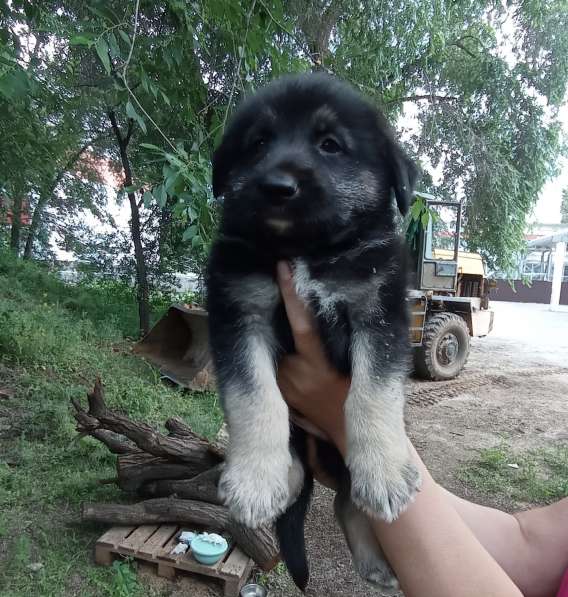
(559, 254)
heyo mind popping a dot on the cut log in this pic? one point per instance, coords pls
(260, 544)
(159, 510)
(201, 487)
(134, 471)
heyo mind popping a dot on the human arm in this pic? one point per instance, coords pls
(429, 546)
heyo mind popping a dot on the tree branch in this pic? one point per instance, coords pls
(303, 45)
(127, 62)
(239, 63)
(129, 131)
(115, 127)
(146, 438)
(428, 97)
(464, 49)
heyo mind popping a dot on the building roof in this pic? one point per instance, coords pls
(548, 242)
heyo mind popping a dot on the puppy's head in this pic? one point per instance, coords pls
(309, 157)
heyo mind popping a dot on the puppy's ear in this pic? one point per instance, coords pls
(222, 163)
(405, 175)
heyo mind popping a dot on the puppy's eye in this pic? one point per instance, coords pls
(330, 145)
(259, 143)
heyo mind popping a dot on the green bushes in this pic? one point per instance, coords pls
(103, 302)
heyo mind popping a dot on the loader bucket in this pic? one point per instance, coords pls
(178, 345)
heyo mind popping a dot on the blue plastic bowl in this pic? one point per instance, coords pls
(208, 553)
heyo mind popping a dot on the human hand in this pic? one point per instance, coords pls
(309, 384)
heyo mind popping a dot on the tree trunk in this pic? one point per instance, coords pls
(141, 273)
(34, 226)
(16, 223)
(317, 23)
(163, 233)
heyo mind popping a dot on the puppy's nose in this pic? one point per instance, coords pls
(279, 186)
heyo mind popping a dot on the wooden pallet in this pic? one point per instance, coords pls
(153, 543)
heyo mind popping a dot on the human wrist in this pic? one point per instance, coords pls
(339, 439)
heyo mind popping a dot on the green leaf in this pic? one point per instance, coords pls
(131, 113)
(174, 183)
(132, 188)
(167, 58)
(144, 81)
(166, 98)
(425, 219)
(151, 146)
(153, 89)
(102, 50)
(14, 84)
(113, 44)
(160, 195)
(125, 37)
(102, 12)
(147, 198)
(177, 54)
(189, 233)
(80, 40)
(416, 209)
(196, 241)
(191, 213)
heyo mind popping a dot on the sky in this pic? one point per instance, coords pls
(547, 210)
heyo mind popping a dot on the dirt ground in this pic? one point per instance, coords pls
(515, 388)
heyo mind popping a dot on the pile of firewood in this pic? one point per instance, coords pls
(176, 474)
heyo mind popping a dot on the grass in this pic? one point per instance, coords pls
(106, 303)
(50, 351)
(539, 477)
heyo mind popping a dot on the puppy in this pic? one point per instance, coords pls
(308, 170)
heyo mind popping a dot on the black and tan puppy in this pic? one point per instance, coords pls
(310, 172)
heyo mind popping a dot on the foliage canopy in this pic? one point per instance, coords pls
(482, 81)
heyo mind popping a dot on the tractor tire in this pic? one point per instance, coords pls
(445, 347)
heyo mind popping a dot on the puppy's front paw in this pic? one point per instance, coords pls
(255, 495)
(383, 484)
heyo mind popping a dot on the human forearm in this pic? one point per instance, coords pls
(432, 550)
(435, 554)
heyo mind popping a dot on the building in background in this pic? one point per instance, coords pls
(535, 280)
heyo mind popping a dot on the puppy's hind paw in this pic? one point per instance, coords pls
(380, 575)
(384, 491)
(254, 498)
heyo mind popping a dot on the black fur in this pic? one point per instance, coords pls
(289, 194)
